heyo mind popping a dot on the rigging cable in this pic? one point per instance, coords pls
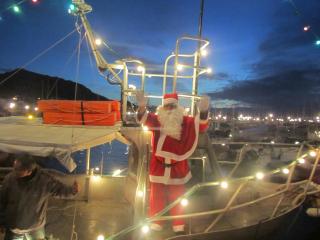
(37, 56)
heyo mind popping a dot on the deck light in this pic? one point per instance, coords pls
(296, 142)
(140, 193)
(259, 175)
(224, 184)
(97, 169)
(184, 202)
(145, 128)
(141, 69)
(285, 170)
(179, 67)
(318, 42)
(272, 142)
(100, 237)
(36, 109)
(116, 173)
(313, 153)
(223, 144)
(209, 70)
(145, 229)
(30, 116)
(27, 107)
(306, 28)
(98, 41)
(301, 160)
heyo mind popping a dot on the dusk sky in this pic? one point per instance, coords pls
(259, 53)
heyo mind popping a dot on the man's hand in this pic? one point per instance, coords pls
(204, 103)
(141, 99)
(75, 188)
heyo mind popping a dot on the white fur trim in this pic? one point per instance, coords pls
(178, 228)
(156, 227)
(170, 100)
(167, 180)
(143, 118)
(174, 156)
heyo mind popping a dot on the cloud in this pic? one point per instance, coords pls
(291, 91)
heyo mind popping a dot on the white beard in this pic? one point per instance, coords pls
(171, 121)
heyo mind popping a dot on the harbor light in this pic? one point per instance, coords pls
(209, 70)
(301, 160)
(98, 41)
(27, 107)
(313, 153)
(36, 109)
(30, 116)
(179, 67)
(272, 142)
(34, 1)
(285, 170)
(116, 173)
(97, 169)
(100, 237)
(12, 105)
(318, 42)
(141, 69)
(259, 175)
(224, 184)
(184, 202)
(296, 142)
(145, 229)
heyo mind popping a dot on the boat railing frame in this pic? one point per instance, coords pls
(284, 188)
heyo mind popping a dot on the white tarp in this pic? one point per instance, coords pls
(18, 135)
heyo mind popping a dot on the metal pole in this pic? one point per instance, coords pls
(88, 161)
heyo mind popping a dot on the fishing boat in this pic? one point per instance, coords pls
(243, 190)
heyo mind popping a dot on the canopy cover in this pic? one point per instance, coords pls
(21, 135)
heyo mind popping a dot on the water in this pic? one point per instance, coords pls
(111, 156)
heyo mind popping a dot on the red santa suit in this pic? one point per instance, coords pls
(169, 169)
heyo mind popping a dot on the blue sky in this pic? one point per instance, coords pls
(251, 40)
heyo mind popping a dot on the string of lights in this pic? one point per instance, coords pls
(306, 27)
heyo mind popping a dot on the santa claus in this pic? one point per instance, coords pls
(174, 139)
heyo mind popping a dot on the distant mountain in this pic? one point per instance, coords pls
(30, 86)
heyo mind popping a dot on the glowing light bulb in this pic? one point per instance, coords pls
(259, 175)
(224, 184)
(27, 107)
(285, 170)
(30, 116)
(16, 9)
(296, 142)
(140, 193)
(97, 169)
(145, 128)
(179, 67)
(204, 52)
(100, 237)
(272, 142)
(145, 229)
(12, 105)
(36, 109)
(209, 70)
(98, 41)
(184, 202)
(34, 1)
(313, 153)
(116, 173)
(318, 42)
(301, 160)
(140, 69)
(306, 28)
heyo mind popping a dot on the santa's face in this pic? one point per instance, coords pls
(170, 117)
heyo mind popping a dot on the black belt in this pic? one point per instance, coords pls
(167, 165)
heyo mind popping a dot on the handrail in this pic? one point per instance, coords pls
(159, 216)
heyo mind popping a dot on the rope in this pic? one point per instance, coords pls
(37, 56)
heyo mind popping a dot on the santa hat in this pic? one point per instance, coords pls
(170, 98)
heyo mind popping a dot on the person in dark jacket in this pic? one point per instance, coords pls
(24, 199)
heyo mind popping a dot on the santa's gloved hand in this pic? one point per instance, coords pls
(204, 103)
(141, 99)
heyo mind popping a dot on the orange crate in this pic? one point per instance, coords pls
(62, 118)
(107, 119)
